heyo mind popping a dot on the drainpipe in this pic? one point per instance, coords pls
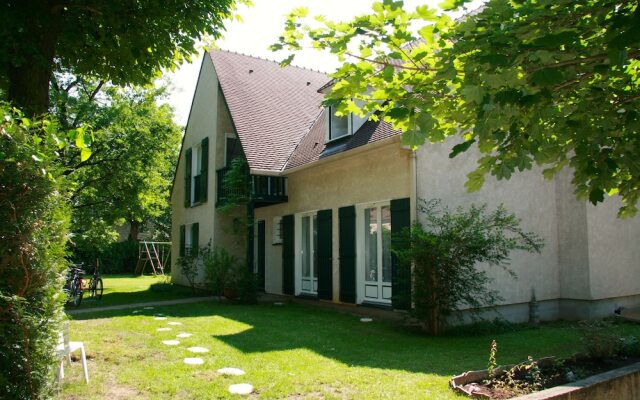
(413, 197)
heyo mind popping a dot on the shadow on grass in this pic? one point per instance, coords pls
(344, 338)
(129, 289)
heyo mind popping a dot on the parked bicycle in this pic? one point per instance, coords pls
(74, 283)
(95, 286)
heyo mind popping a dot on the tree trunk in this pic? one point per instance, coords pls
(30, 70)
(134, 230)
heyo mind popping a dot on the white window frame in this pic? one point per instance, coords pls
(276, 233)
(187, 239)
(196, 167)
(328, 137)
(297, 229)
(360, 248)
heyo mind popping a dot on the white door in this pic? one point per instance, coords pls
(377, 254)
(308, 255)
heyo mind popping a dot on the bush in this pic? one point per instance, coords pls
(445, 251)
(188, 267)
(599, 339)
(35, 219)
(246, 287)
(115, 257)
(220, 269)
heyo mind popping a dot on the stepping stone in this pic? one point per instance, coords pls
(193, 361)
(198, 349)
(160, 318)
(163, 329)
(241, 388)
(175, 323)
(171, 342)
(277, 303)
(366, 319)
(159, 315)
(184, 335)
(149, 308)
(231, 371)
(135, 311)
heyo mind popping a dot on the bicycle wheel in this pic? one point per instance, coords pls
(97, 288)
(91, 287)
(76, 292)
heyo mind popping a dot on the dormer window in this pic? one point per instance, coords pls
(338, 126)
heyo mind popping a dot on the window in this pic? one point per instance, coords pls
(232, 149)
(276, 237)
(196, 174)
(338, 126)
(189, 239)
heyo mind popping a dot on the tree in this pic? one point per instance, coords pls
(122, 42)
(548, 83)
(135, 146)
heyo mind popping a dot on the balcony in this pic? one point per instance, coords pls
(262, 190)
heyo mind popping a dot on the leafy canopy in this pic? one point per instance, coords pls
(551, 83)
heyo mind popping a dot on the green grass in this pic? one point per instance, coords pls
(291, 351)
(127, 289)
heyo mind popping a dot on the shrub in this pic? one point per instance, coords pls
(599, 339)
(188, 267)
(445, 251)
(246, 287)
(115, 257)
(35, 218)
(220, 268)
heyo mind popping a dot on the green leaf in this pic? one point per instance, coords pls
(473, 94)
(461, 148)
(287, 60)
(85, 153)
(596, 196)
(547, 77)
(413, 138)
(79, 138)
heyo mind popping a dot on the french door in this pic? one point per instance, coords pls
(376, 283)
(309, 254)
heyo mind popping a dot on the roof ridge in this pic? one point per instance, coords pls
(268, 60)
(302, 137)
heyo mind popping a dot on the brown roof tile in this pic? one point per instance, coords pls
(272, 107)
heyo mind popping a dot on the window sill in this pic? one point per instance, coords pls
(338, 139)
(199, 203)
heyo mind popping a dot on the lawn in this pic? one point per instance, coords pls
(290, 351)
(126, 289)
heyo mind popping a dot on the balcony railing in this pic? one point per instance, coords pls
(262, 190)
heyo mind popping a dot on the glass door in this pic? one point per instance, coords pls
(377, 254)
(309, 255)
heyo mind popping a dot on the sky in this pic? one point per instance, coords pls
(262, 24)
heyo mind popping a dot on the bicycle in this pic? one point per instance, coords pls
(74, 284)
(95, 285)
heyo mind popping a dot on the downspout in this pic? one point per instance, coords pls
(413, 197)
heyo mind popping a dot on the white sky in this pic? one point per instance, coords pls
(261, 26)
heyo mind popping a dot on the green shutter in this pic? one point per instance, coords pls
(195, 240)
(347, 220)
(261, 254)
(187, 179)
(288, 254)
(204, 172)
(325, 249)
(183, 240)
(400, 273)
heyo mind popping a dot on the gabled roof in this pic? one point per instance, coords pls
(272, 107)
(277, 112)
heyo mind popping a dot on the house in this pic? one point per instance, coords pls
(326, 192)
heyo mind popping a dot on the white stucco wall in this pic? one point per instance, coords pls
(377, 173)
(202, 122)
(614, 251)
(527, 194)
